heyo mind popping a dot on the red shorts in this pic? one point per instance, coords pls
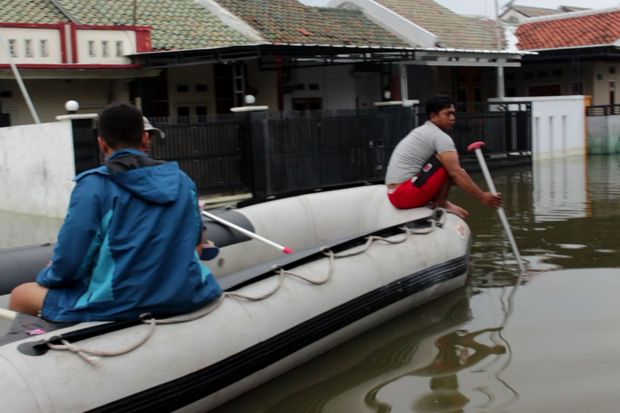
(407, 195)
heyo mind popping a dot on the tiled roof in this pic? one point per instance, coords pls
(528, 11)
(583, 30)
(453, 30)
(288, 21)
(177, 24)
(30, 11)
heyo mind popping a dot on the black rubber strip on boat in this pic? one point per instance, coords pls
(200, 384)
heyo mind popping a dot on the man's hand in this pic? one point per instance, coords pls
(492, 200)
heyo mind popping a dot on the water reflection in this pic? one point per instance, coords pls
(563, 213)
(414, 359)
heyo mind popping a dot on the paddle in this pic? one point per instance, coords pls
(500, 211)
(250, 234)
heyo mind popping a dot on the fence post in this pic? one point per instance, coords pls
(85, 148)
(254, 139)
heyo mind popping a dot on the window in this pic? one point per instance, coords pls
(201, 87)
(28, 48)
(119, 49)
(182, 88)
(183, 114)
(577, 88)
(612, 92)
(44, 48)
(612, 70)
(91, 48)
(105, 48)
(13, 47)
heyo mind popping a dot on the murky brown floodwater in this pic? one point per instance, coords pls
(551, 345)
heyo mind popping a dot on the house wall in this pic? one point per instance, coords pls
(49, 97)
(184, 88)
(48, 53)
(265, 83)
(537, 77)
(37, 168)
(105, 46)
(336, 87)
(558, 125)
(602, 74)
(604, 134)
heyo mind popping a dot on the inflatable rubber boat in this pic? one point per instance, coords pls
(358, 263)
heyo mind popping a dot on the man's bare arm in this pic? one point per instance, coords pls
(460, 177)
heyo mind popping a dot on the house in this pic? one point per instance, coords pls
(466, 58)
(577, 54)
(192, 58)
(514, 14)
(68, 49)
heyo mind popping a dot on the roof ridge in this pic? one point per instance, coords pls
(61, 9)
(571, 15)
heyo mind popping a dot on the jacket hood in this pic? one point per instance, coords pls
(154, 181)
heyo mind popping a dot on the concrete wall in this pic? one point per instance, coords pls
(37, 168)
(558, 125)
(604, 134)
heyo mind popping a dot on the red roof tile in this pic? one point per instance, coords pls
(583, 30)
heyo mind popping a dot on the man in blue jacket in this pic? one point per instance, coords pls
(128, 243)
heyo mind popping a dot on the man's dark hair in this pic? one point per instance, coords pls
(121, 125)
(437, 103)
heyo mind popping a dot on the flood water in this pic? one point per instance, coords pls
(552, 344)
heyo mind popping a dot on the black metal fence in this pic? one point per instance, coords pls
(603, 110)
(272, 154)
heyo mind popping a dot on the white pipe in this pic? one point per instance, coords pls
(250, 234)
(18, 77)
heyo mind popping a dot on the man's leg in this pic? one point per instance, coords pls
(442, 200)
(28, 298)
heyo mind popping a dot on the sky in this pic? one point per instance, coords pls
(487, 7)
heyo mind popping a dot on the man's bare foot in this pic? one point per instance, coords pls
(456, 210)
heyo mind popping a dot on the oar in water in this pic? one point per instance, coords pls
(500, 211)
(250, 234)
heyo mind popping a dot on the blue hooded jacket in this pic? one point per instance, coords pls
(128, 245)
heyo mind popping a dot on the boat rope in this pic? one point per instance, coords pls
(92, 356)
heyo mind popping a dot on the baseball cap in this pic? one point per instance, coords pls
(150, 128)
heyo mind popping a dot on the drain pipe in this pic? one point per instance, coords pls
(22, 87)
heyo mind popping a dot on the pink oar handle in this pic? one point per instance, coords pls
(475, 145)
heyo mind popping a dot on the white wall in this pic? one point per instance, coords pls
(336, 86)
(37, 168)
(105, 41)
(48, 54)
(558, 125)
(604, 134)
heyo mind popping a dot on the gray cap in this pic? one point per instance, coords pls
(150, 128)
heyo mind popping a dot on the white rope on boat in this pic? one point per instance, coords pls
(92, 356)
